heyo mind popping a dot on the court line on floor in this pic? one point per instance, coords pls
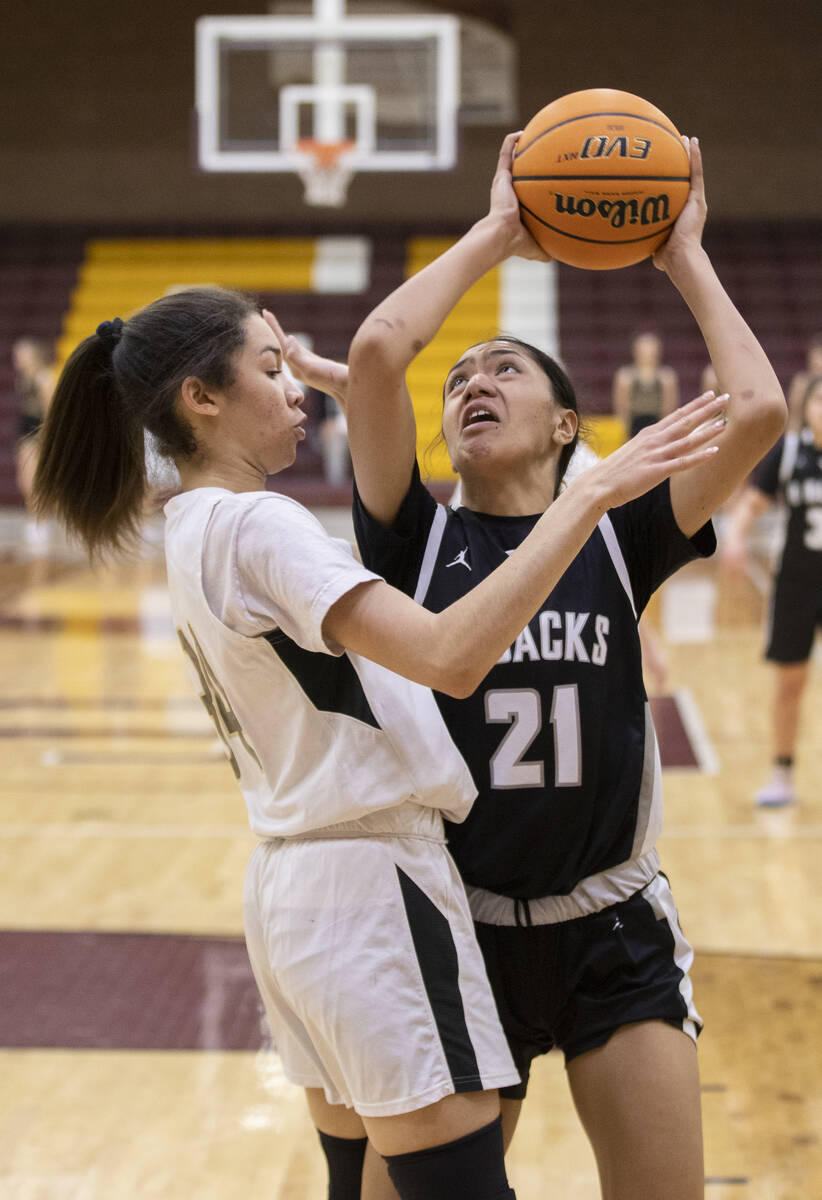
(742, 831)
(62, 758)
(110, 829)
(105, 829)
(102, 733)
(131, 703)
(695, 728)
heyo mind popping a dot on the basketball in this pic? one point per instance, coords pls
(601, 176)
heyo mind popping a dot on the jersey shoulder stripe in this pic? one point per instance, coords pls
(612, 545)
(432, 548)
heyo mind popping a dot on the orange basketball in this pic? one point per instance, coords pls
(600, 176)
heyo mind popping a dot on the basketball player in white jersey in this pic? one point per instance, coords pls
(576, 922)
(791, 471)
(356, 921)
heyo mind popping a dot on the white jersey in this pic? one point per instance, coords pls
(316, 736)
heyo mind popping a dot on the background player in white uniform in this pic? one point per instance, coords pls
(792, 471)
(357, 925)
(578, 927)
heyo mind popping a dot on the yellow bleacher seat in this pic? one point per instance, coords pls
(120, 275)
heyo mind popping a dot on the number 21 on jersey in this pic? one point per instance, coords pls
(521, 708)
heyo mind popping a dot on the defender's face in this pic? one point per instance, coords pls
(264, 404)
(498, 407)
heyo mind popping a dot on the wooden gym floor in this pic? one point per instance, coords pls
(132, 1057)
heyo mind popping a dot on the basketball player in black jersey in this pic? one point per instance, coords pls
(577, 925)
(792, 470)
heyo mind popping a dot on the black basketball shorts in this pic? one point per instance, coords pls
(571, 985)
(795, 614)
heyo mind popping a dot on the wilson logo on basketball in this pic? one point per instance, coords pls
(605, 147)
(601, 176)
(650, 211)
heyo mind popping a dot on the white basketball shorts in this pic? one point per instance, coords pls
(374, 986)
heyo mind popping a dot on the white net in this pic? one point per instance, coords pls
(325, 172)
(325, 186)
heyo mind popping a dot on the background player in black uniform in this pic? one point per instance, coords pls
(792, 470)
(577, 926)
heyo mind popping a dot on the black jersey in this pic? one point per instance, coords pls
(794, 468)
(558, 736)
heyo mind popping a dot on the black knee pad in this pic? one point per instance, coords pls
(470, 1168)
(345, 1158)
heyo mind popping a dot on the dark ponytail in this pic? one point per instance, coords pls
(119, 382)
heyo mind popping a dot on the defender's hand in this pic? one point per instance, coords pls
(676, 443)
(324, 374)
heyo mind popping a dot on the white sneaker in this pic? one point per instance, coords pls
(778, 791)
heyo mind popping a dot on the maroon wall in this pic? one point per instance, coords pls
(96, 101)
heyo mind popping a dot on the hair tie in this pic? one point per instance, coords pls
(110, 332)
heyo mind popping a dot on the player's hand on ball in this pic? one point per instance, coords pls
(324, 374)
(505, 207)
(687, 231)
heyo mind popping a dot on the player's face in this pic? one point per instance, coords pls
(263, 402)
(498, 409)
(813, 412)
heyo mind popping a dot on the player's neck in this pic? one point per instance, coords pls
(518, 494)
(234, 477)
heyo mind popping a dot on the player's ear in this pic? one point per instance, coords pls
(196, 398)
(566, 423)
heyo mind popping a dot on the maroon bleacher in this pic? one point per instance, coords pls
(772, 271)
(38, 268)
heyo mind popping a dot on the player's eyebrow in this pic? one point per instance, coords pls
(456, 367)
(275, 350)
(497, 352)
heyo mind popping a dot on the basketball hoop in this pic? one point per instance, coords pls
(325, 173)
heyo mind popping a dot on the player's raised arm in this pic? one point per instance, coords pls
(756, 410)
(381, 428)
